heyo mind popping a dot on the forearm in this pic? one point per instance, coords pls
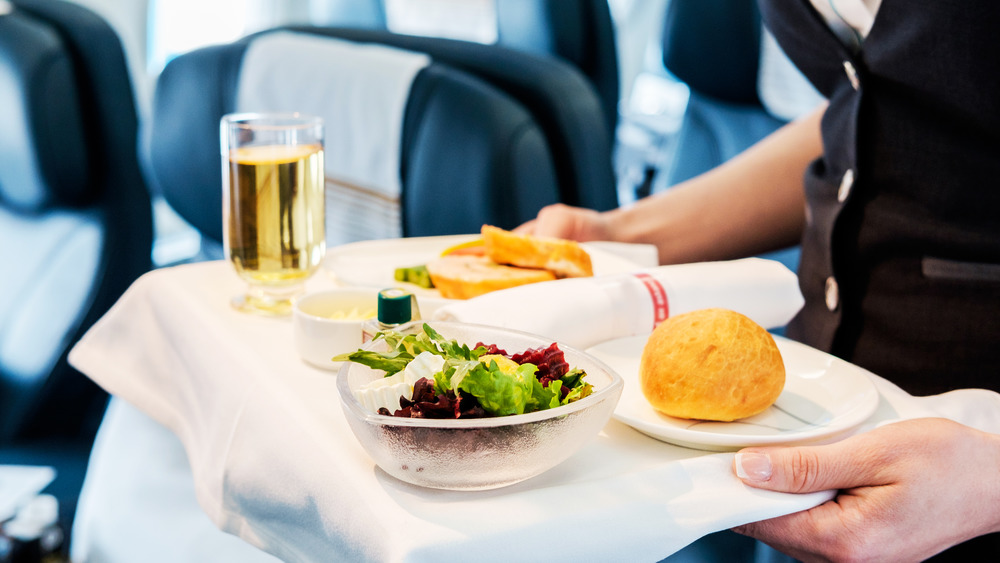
(751, 204)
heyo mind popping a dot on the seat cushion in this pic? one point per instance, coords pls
(46, 295)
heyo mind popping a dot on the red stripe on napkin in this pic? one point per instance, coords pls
(661, 308)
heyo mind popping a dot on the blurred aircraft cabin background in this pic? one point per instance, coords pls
(620, 99)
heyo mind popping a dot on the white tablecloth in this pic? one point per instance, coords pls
(138, 501)
(274, 462)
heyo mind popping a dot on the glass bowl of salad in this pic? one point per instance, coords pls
(460, 406)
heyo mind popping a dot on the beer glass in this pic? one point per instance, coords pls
(273, 206)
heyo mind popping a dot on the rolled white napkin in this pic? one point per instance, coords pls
(582, 312)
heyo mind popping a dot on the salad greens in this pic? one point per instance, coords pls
(502, 384)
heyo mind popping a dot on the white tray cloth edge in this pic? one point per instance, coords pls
(389, 520)
(116, 377)
(192, 396)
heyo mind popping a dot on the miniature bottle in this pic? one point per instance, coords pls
(395, 307)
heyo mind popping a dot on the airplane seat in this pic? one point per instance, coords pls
(75, 225)
(557, 95)
(458, 153)
(580, 33)
(714, 46)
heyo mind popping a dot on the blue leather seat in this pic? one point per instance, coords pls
(470, 153)
(714, 46)
(75, 223)
(579, 32)
(558, 96)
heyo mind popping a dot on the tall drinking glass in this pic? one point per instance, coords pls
(273, 206)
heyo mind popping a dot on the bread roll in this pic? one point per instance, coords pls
(711, 364)
(564, 258)
(461, 276)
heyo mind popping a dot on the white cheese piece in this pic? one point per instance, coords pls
(385, 392)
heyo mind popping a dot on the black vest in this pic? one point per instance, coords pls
(901, 253)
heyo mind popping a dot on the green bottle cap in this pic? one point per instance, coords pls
(395, 306)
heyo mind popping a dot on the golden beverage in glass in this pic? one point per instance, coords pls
(273, 205)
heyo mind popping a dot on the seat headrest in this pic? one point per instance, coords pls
(361, 94)
(580, 32)
(43, 153)
(559, 97)
(713, 46)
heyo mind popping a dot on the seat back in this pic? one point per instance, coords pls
(579, 32)
(465, 152)
(713, 46)
(558, 96)
(75, 216)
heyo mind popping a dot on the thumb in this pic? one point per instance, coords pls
(803, 469)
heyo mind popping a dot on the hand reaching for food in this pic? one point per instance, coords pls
(573, 223)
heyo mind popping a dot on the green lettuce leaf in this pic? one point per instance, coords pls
(403, 348)
(453, 373)
(500, 393)
(546, 397)
(577, 393)
(391, 363)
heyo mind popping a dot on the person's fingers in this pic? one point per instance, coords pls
(526, 228)
(812, 527)
(805, 469)
(567, 222)
(555, 221)
(550, 221)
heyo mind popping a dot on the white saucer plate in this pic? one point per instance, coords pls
(823, 397)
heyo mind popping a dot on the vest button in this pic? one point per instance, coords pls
(846, 183)
(832, 294)
(852, 75)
